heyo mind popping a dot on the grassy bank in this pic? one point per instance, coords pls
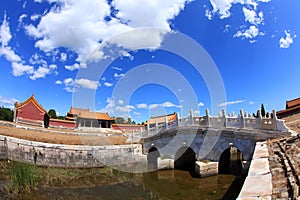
(25, 178)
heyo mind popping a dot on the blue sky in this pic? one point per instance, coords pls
(44, 46)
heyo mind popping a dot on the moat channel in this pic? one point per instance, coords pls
(164, 184)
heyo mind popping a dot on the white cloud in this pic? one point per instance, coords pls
(124, 109)
(71, 85)
(20, 69)
(41, 72)
(120, 102)
(287, 41)
(119, 75)
(230, 103)
(7, 101)
(58, 82)
(107, 84)
(34, 17)
(9, 54)
(20, 20)
(117, 68)
(153, 106)
(142, 106)
(251, 103)
(200, 104)
(168, 104)
(5, 34)
(250, 33)
(63, 57)
(252, 17)
(85, 83)
(73, 67)
(83, 23)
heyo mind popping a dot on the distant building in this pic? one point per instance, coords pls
(85, 118)
(128, 127)
(31, 112)
(292, 107)
(165, 121)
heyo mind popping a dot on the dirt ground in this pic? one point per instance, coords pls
(60, 138)
(293, 122)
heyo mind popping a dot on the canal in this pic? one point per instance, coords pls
(165, 184)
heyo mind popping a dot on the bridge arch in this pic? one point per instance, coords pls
(231, 161)
(152, 156)
(185, 159)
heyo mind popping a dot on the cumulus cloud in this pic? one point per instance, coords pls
(71, 85)
(287, 41)
(85, 83)
(108, 84)
(85, 23)
(200, 104)
(58, 82)
(20, 69)
(142, 106)
(230, 103)
(252, 17)
(7, 101)
(251, 33)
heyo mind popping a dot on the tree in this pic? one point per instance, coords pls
(119, 120)
(52, 113)
(61, 117)
(133, 122)
(129, 121)
(6, 114)
(263, 111)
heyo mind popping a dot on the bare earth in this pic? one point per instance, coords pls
(61, 138)
(293, 122)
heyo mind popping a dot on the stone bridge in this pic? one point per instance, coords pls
(187, 145)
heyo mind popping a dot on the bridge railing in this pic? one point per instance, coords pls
(242, 121)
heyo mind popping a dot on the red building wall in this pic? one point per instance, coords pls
(31, 112)
(62, 123)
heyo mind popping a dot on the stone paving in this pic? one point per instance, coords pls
(284, 162)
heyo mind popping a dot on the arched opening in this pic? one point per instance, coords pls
(46, 120)
(152, 156)
(185, 159)
(231, 162)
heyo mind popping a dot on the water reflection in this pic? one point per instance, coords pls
(166, 184)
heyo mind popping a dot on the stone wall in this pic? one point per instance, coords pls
(258, 184)
(3, 151)
(54, 155)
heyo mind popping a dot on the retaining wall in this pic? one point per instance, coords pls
(55, 155)
(258, 183)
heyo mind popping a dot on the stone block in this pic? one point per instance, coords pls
(165, 163)
(206, 169)
(259, 167)
(257, 186)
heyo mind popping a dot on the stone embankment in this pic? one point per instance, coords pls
(285, 168)
(56, 155)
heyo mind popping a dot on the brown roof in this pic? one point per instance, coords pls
(161, 119)
(292, 103)
(86, 113)
(33, 100)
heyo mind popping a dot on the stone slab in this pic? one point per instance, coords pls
(261, 150)
(257, 186)
(259, 167)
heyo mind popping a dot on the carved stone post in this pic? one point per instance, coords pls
(242, 118)
(191, 117)
(274, 120)
(207, 117)
(259, 120)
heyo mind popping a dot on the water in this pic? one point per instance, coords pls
(166, 184)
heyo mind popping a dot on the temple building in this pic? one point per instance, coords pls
(292, 107)
(31, 112)
(166, 121)
(85, 118)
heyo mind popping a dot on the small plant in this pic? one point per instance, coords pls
(24, 178)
